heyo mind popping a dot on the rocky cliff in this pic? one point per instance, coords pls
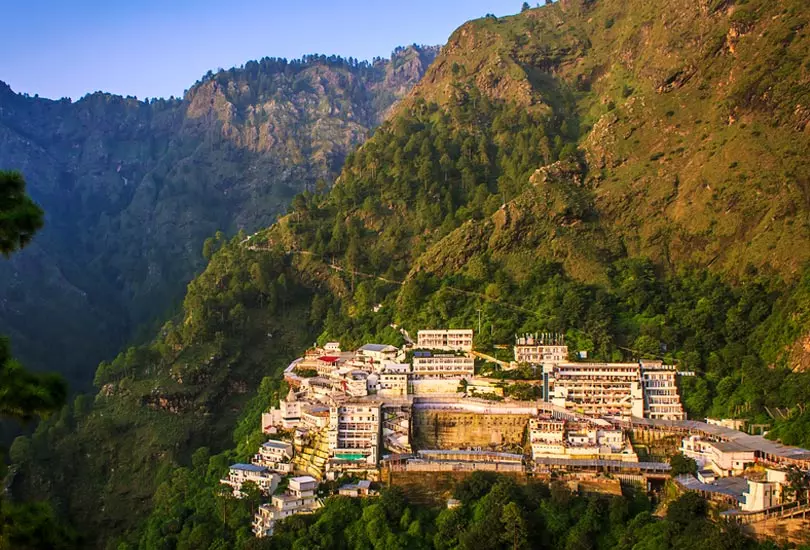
(131, 189)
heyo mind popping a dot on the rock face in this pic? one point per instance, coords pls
(131, 189)
(456, 430)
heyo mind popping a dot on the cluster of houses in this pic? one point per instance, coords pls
(347, 412)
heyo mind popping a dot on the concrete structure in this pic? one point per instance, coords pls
(354, 431)
(315, 417)
(556, 438)
(287, 415)
(646, 389)
(360, 489)
(275, 456)
(377, 353)
(598, 389)
(298, 499)
(725, 458)
(239, 474)
(448, 339)
(541, 349)
(325, 364)
(428, 365)
(392, 384)
(661, 399)
(761, 495)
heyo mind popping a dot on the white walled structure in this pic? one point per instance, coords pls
(428, 365)
(446, 339)
(275, 456)
(354, 431)
(541, 349)
(239, 474)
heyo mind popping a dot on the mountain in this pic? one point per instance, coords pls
(132, 188)
(631, 174)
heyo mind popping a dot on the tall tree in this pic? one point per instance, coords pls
(20, 217)
(22, 394)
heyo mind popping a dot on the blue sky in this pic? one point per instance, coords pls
(158, 48)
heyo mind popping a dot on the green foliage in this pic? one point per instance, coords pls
(25, 395)
(682, 464)
(20, 217)
(501, 514)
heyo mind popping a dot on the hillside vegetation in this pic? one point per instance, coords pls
(631, 174)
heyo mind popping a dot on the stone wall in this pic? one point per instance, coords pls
(433, 429)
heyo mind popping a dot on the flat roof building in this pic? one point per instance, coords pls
(445, 339)
(541, 349)
(428, 365)
(355, 431)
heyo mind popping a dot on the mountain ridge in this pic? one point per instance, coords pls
(131, 189)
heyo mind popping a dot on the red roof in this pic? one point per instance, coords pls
(329, 359)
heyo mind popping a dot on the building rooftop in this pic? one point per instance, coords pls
(248, 468)
(731, 447)
(377, 347)
(304, 479)
(750, 442)
(733, 487)
(276, 444)
(329, 358)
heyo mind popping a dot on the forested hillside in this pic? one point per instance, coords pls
(131, 188)
(628, 173)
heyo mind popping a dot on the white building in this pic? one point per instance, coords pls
(761, 495)
(354, 431)
(555, 438)
(646, 389)
(725, 458)
(448, 339)
(275, 455)
(360, 489)
(598, 389)
(541, 349)
(661, 399)
(299, 498)
(287, 415)
(377, 353)
(392, 384)
(428, 365)
(239, 474)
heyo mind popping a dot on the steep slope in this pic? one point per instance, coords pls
(131, 189)
(554, 171)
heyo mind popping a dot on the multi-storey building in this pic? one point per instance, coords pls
(541, 349)
(448, 339)
(354, 431)
(725, 458)
(299, 498)
(392, 384)
(287, 415)
(377, 354)
(598, 389)
(554, 438)
(645, 389)
(661, 399)
(238, 474)
(275, 456)
(428, 365)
